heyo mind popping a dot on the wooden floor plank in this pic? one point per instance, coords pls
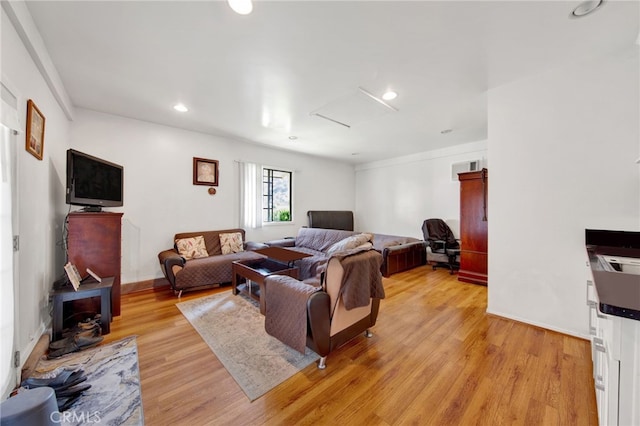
(436, 358)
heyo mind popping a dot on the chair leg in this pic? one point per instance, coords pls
(368, 334)
(322, 363)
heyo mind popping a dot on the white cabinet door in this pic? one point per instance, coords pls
(630, 373)
(606, 379)
(615, 351)
(605, 349)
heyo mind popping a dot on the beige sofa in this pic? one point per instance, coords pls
(214, 269)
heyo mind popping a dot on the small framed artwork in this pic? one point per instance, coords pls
(205, 172)
(73, 274)
(35, 130)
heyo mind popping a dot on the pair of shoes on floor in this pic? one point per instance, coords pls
(58, 380)
(62, 381)
(85, 334)
(66, 398)
(92, 332)
(64, 403)
(71, 344)
(90, 326)
(66, 385)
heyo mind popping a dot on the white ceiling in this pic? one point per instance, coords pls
(259, 77)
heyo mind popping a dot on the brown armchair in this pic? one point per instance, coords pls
(329, 323)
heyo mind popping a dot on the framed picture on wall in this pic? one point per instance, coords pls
(35, 130)
(205, 172)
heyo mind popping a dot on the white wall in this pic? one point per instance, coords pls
(395, 196)
(160, 199)
(563, 146)
(41, 207)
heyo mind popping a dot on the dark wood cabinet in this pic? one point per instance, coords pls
(94, 242)
(473, 226)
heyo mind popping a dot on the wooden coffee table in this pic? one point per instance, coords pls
(282, 254)
(256, 271)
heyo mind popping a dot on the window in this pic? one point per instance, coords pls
(276, 195)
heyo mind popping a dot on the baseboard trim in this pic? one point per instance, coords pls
(37, 352)
(538, 324)
(155, 284)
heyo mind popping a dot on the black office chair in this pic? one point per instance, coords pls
(443, 249)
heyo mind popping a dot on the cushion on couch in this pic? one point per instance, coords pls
(191, 248)
(350, 243)
(231, 242)
(320, 239)
(211, 238)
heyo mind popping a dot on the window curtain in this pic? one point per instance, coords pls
(9, 109)
(9, 127)
(250, 196)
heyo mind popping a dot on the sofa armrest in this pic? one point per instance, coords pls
(253, 246)
(171, 263)
(283, 242)
(401, 248)
(319, 322)
(402, 257)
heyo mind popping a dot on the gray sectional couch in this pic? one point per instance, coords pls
(399, 253)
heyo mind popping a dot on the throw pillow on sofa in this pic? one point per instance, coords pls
(231, 243)
(192, 248)
(350, 243)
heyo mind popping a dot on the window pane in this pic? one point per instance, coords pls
(276, 202)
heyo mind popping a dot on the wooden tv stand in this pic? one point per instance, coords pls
(94, 242)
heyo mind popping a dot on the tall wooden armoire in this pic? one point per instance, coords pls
(473, 226)
(94, 242)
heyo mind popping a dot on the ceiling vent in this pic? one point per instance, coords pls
(463, 167)
(356, 108)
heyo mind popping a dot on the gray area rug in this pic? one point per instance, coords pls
(233, 328)
(112, 371)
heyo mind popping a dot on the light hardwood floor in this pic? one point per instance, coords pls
(436, 358)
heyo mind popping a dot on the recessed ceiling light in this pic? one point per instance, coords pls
(241, 7)
(389, 96)
(585, 8)
(293, 138)
(445, 131)
(180, 107)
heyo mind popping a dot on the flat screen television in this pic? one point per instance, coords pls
(93, 182)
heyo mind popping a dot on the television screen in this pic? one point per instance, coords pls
(93, 182)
